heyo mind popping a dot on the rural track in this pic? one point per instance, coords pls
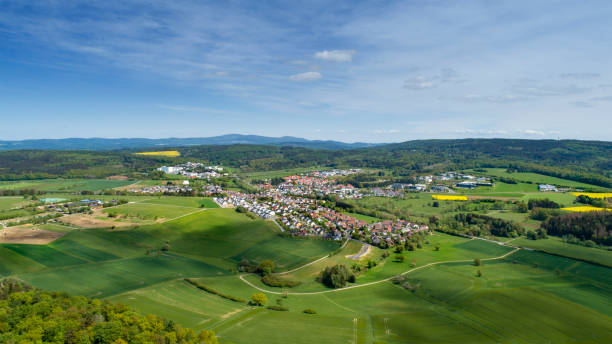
(375, 282)
(364, 250)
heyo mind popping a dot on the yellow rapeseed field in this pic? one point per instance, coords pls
(449, 198)
(593, 194)
(585, 208)
(161, 153)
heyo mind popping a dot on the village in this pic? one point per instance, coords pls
(309, 217)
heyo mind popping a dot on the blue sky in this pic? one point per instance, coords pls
(376, 71)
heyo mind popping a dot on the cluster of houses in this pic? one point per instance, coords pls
(194, 170)
(385, 192)
(314, 184)
(308, 217)
(164, 189)
(334, 173)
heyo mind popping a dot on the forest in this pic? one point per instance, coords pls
(595, 226)
(583, 161)
(29, 315)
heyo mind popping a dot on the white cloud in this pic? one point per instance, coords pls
(534, 132)
(390, 131)
(335, 55)
(308, 76)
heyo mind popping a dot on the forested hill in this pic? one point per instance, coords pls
(587, 161)
(99, 144)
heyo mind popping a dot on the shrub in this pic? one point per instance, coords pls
(309, 311)
(213, 291)
(275, 281)
(398, 279)
(278, 308)
(477, 261)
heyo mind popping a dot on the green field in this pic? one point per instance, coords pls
(150, 211)
(556, 246)
(192, 202)
(366, 218)
(527, 297)
(65, 185)
(206, 243)
(12, 202)
(538, 178)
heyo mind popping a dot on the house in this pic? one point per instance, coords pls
(547, 188)
(466, 185)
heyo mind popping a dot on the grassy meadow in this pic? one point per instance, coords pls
(526, 297)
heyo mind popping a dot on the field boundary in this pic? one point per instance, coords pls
(375, 282)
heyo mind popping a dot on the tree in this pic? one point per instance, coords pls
(437, 248)
(478, 273)
(259, 299)
(336, 277)
(399, 258)
(522, 207)
(477, 261)
(265, 267)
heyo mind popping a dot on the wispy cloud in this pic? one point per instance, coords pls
(421, 82)
(335, 55)
(307, 76)
(580, 76)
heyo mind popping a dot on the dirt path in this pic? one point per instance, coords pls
(365, 249)
(375, 282)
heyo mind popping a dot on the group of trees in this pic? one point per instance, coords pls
(336, 276)
(542, 203)
(477, 225)
(30, 315)
(593, 225)
(596, 202)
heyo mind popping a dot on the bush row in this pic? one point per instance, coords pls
(213, 291)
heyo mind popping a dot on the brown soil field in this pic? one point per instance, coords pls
(117, 178)
(28, 234)
(93, 221)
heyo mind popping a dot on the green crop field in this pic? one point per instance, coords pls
(192, 202)
(538, 178)
(556, 246)
(65, 185)
(428, 309)
(206, 243)
(441, 299)
(149, 211)
(12, 202)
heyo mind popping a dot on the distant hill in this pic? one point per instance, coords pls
(132, 143)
